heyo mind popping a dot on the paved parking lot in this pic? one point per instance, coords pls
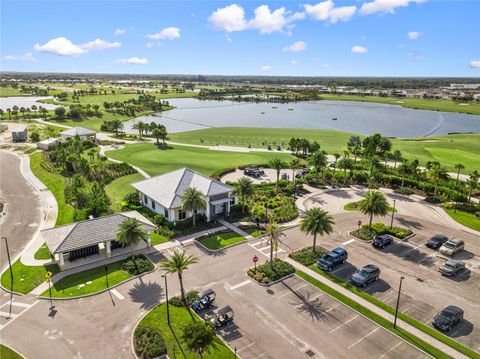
(424, 291)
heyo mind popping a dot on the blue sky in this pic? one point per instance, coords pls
(306, 38)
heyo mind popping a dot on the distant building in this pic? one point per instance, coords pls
(47, 145)
(20, 134)
(82, 133)
(465, 86)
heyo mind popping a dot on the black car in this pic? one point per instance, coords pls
(436, 241)
(448, 318)
(332, 259)
(365, 275)
(382, 241)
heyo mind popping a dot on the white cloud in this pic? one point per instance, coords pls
(385, 6)
(60, 46)
(359, 49)
(150, 44)
(133, 61)
(475, 64)
(326, 11)
(413, 35)
(120, 32)
(296, 47)
(230, 18)
(413, 56)
(266, 68)
(294, 62)
(169, 33)
(99, 44)
(25, 57)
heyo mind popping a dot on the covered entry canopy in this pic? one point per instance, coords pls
(86, 233)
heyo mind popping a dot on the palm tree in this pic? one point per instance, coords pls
(130, 232)
(396, 157)
(91, 153)
(294, 165)
(404, 170)
(459, 167)
(117, 125)
(140, 126)
(192, 201)
(245, 189)
(337, 156)
(318, 160)
(179, 263)
(277, 164)
(316, 221)
(435, 174)
(374, 204)
(274, 234)
(9, 110)
(472, 183)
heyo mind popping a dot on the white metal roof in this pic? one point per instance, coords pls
(78, 131)
(168, 189)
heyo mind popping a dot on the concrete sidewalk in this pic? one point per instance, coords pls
(400, 323)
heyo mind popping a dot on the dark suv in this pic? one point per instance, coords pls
(436, 241)
(448, 318)
(332, 259)
(382, 241)
(365, 275)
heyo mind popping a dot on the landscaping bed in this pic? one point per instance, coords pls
(94, 280)
(26, 278)
(366, 233)
(254, 231)
(221, 240)
(354, 206)
(307, 256)
(43, 253)
(264, 274)
(180, 317)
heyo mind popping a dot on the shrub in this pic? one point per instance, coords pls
(434, 200)
(265, 274)
(198, 335)
(307, 256)
(148, 343)
(35, 136)
(367, 233)
(132, 199)
(177, 300)
(139, 265)
(192, 296)
(405, 191)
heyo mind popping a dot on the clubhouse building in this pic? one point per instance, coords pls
(163, 194)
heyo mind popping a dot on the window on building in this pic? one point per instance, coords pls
(232, 201)
(166, 213)
(145, 199)
(153, 204)
(182, 214)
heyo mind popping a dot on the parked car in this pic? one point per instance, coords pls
(452, 246)
(448, 318)
(365, 275)
(452, 267)
(204, 300)
(436, 241)
(332, 259)
(381, 241)
(221, 316)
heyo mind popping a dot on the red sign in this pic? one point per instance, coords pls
(359, 223)
(255, 259)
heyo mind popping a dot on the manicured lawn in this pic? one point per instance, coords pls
(176, 347)
(10, 91)
(222, 240)
(56, 184)
(7, 353)
(419, 325)
(353, 206)
(156, 161)
(157, 238)
(26, 278)
(253, 231)
(421, 104)
(117, 189)
(76, 284)
(43, 252)
(467, 219)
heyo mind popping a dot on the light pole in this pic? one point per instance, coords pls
(166, 296)
(8, 256)
(393, 211)
(106, 274)
(398, 302)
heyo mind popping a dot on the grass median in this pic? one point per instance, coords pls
(7, 353)
(406, 318)
(221, 240)
(26, 278)
(467, 219)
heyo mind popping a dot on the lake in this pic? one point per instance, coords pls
(359, 117)
(25, 101)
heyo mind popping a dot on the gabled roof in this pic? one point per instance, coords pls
(168, 189)
(78, 131)
(89, 232)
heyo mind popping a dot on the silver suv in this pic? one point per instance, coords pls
(452, 246)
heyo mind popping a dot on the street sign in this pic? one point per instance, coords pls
(255, 259)
(48, 275)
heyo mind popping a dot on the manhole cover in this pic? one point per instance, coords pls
(310, 353)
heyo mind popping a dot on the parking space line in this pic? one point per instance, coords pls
(245, 347)
(348, 242)
(8, 315)
(236, 286)
(18, 304)
(117, 294)
(292, 291)
(359, 340)
(259, 356)
(332, 308)
(343, 324)
(390, 350)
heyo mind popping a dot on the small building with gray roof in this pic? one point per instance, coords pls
(82, 133)
(163, 194)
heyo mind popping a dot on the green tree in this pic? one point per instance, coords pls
(245, 190)
(140, 127)
(117, 125)
(198, 335)
(91, 154)
(277, 164)
(354, 145)
(98, 200)
(436, 174)
(374, 204)
(60, 112)
(130, 232)
(316, 221)
(396, 157)
(179, 263)
(459, 167)
(472, 183)
(318, 160)
(35, 136)
(160, 132)
(294, 164)
(274, 234)
(192, 201)
(337, 156)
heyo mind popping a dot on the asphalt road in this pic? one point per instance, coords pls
(23, 207)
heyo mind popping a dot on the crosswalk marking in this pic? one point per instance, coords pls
(17, 304)
(236, 286)
(117, 294)
(7, 315)
(13, 317)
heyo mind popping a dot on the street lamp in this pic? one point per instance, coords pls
(106, 274)
(393, 211)
(8, 256)
(166, 296)
(398, 302)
